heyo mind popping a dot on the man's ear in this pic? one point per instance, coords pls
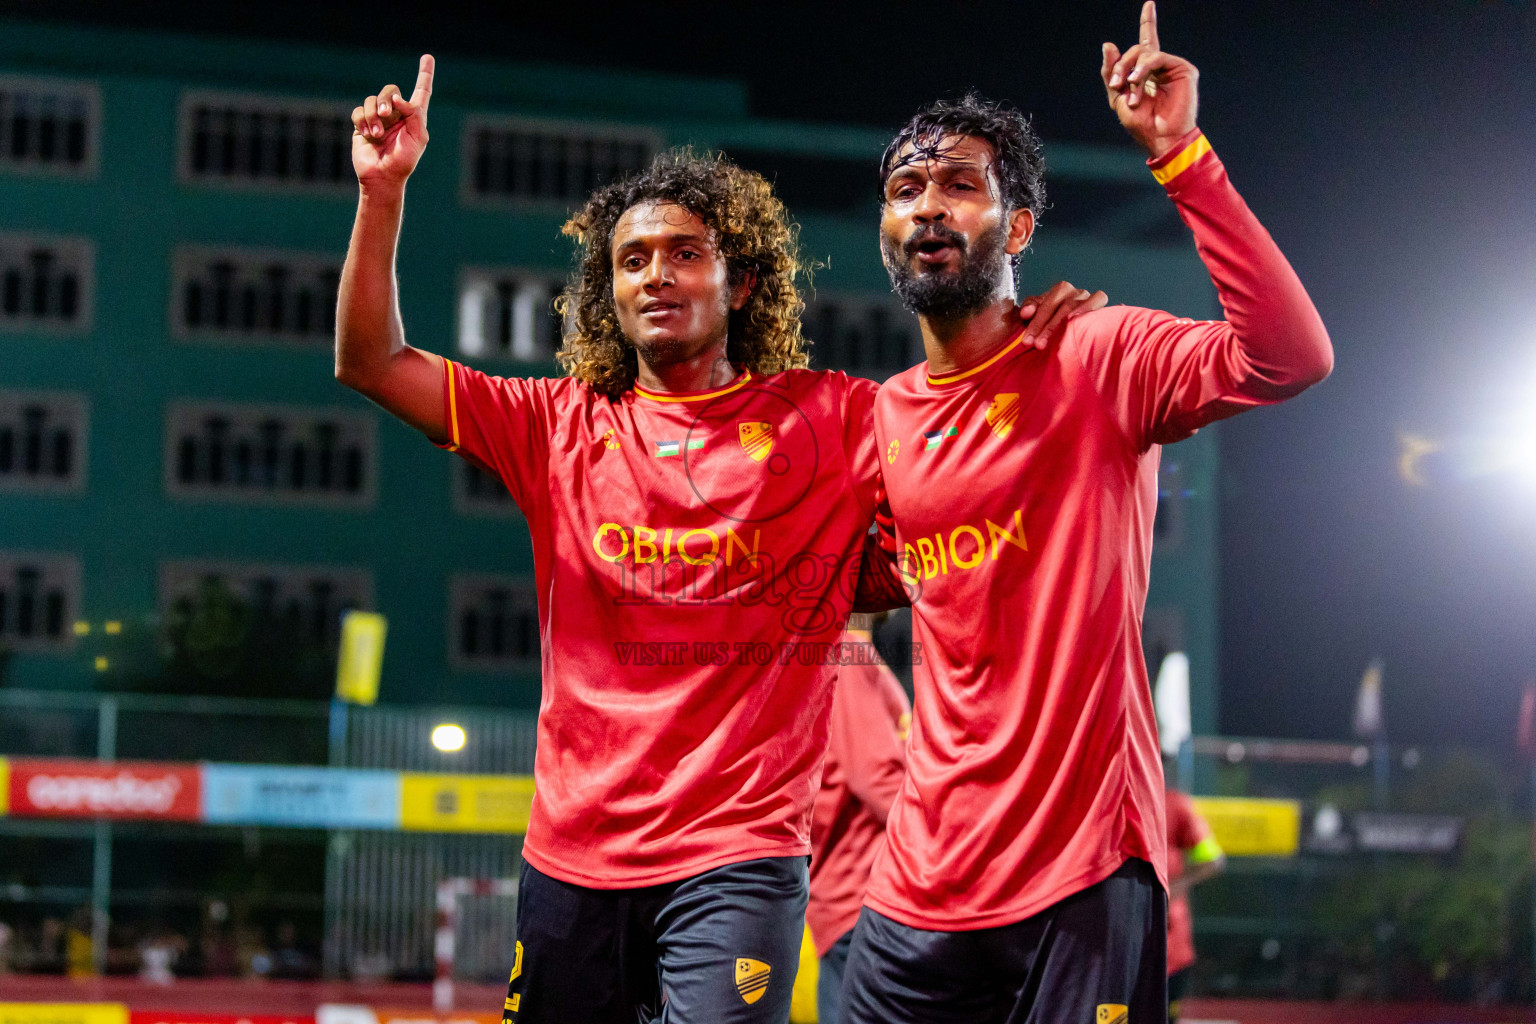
(1021, 227)
(743, 289)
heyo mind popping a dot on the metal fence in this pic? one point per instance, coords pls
(376, 909)
(1337, 919)
(381, 887)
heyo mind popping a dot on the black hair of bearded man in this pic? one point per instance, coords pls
(754, 235)
(1019, 163)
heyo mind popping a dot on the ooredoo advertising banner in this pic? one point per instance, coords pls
(59, 788)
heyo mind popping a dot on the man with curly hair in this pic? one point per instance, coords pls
(1024, 872)
(698, 502)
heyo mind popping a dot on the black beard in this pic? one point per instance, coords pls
(940, 294)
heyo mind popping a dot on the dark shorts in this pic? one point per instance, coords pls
(1097, 957)
(722, 946)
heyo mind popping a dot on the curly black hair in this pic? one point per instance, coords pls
(754, 235)
(1019, 163)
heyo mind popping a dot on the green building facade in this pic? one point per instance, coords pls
(173, 215)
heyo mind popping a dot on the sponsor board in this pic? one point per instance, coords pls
(342, 1013)
(248, 794)
(195, 1017)
(465, 803)
(5, 787)
(61, 788)
(1334, 831)
(1251, 827)
(63, 1013)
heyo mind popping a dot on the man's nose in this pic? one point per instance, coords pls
(929, 207)
(657, 272)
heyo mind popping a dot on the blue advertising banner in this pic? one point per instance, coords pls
(248, 794)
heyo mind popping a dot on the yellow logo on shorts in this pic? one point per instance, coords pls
(1112, 1013)
(751, 978)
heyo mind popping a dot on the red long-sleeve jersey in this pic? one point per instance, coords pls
(1022, 491)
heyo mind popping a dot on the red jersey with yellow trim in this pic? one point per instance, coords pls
(1023, 490)
(866, 758)
(695, 557)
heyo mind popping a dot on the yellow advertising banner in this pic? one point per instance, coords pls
(1247, 827)
(465, 803)
(5, 787)
(63, 1013)
(361, 657)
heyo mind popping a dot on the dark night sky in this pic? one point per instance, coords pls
(1389, 148)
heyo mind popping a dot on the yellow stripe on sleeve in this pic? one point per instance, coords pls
(1181, 163)
(453, 409)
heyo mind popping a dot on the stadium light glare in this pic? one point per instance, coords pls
(448, 738)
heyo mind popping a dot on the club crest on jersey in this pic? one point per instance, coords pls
(1112, 1013)
(892, 450)
(756, 439)
(1002, 413)
(752, 978)
(611, 439)
(938, 437)
(666, 449)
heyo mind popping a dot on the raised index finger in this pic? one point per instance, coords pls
(423, 92)
(1149, 25)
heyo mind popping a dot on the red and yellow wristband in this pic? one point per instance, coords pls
(1189, 150)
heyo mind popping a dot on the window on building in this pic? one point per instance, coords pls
(250, 140)
(478, 493)
(39, 600)
(538, 161)
(509, 315)
(46, 283)
(822, 183)
(49, 126)
(862, 334)
(254, 295)
(274, 454)
(42, 441)
(309, 600)
(494, 621)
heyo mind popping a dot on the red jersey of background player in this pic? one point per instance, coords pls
(695, 557)
(866, 758)
(1023, 490)
(1189, 835)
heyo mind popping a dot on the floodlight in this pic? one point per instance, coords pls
(448, 738)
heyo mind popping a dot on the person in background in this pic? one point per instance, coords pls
(1193, 856)
(866, 759)
(158, 954)
(79, 948)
